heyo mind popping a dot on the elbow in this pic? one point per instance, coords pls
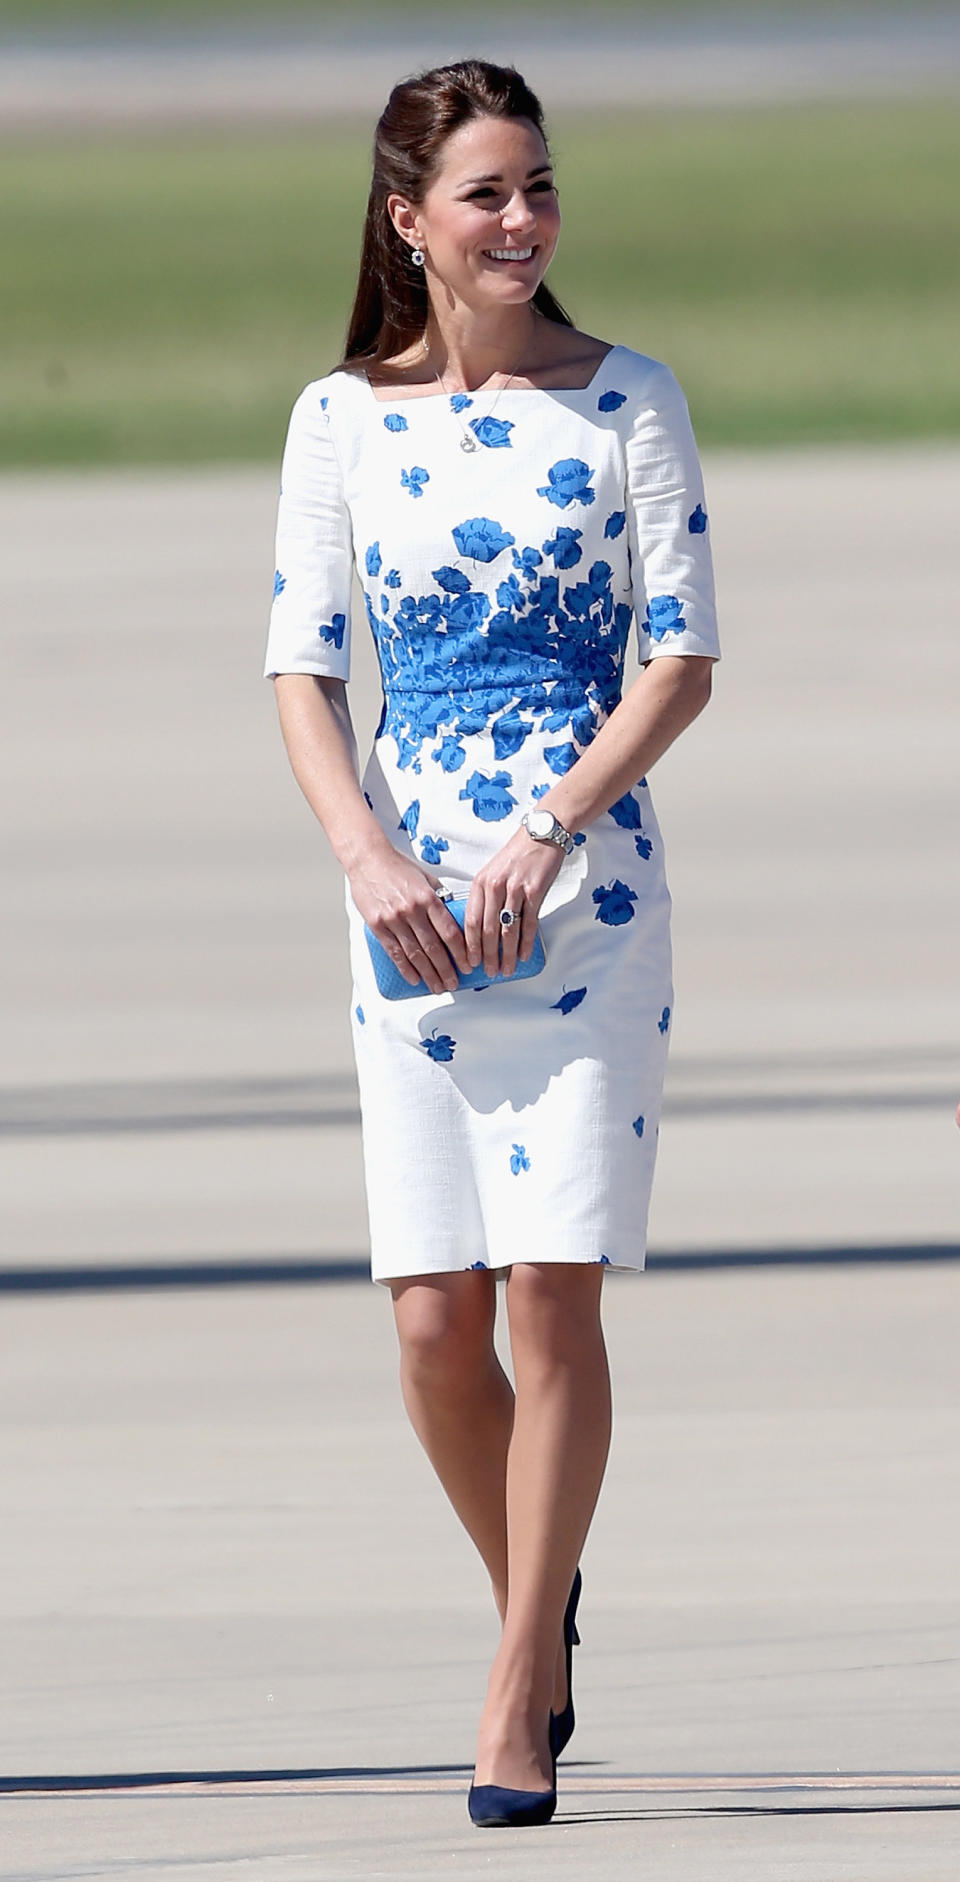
(698, 682)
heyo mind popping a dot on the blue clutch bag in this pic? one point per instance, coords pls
(393, 986)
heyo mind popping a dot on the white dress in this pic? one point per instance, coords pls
(518, 1122)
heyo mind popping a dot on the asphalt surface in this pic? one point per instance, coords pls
(240, 1632)
(285, 71)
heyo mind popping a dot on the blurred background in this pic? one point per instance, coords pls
(219, 1520)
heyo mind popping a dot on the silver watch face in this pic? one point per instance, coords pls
(540, 823)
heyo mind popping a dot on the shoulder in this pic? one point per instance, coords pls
(323, 398)
(645, 381)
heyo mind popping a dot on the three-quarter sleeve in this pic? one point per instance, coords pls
(310, 618)
(671, 564)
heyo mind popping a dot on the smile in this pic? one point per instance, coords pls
(509, 254)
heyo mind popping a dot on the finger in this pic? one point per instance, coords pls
(492, 904)
(451, 934)
(527, 931)
(393, 947)
(473, 925)
(509, 937)
(431, 945)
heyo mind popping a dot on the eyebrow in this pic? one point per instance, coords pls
(497, 178)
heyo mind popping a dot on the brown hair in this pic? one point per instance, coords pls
(390, 307)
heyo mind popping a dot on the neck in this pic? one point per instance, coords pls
(467, 348)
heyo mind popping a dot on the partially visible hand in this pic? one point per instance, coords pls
(398, 901)
(517, 877)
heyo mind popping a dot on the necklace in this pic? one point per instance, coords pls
(468, 442)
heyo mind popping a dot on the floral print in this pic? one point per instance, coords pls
(568, 481)
(500, 609)
(279, 584)
(414, 480)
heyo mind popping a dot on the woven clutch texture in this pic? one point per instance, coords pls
(393, 986)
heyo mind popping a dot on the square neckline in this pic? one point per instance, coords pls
(560, 391)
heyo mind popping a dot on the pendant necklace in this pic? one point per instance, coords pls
(468, 442)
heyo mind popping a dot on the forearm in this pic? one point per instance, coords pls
(318, 734)
(664, 699)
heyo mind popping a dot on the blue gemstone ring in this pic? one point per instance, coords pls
(508, 916)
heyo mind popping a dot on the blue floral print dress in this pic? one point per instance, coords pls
(517, 1122)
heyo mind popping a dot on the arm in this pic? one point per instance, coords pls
(395, 895)
(308, 658)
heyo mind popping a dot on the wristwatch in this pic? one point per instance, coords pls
(542, 825)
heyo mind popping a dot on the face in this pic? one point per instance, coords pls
(490, 220)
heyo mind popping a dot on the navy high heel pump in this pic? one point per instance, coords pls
(562, 1723)
(491, 1806)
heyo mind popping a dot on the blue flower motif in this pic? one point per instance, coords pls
(540, 790)
(384, 604)
(395, 421)
(279, 584)
(494, 432)
(528, 560)
(360, 1015)
(393, 578)
(664, 1020)
(323, 404)
(509, 593)
(697, 522)
(410, 818)
(614, 904)
(638, 1125)
(481, 538)
(414, 480)
(450, 754)
(611, 401)
(373, 559)
(561, 758)
(453, 580)
(568, 1001)
(432, 847)
(664, 616)
(334, 630)
(613, 526)
(439, 1047)
(626, 812)
(491, 798)
(368, 798)
(476, 1264)
(643, 846)
(519, 1159)
(568, 481)
(465, 611)
(564, 548)
(459, 401)
(509, 733)
(602, 1261)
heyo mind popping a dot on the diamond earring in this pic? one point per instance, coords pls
(418, 257)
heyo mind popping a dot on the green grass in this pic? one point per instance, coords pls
(799, 270)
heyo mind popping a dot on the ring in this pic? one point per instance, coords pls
(508, 916)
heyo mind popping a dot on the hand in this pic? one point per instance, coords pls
(517, 877)
(398, 901)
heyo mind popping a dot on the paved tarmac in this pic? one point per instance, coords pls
(285, 71)
(240, 1632)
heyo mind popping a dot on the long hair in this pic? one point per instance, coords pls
(390, 306)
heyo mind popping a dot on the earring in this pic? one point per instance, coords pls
(418, 257)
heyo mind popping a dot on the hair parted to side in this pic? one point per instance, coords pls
(390, 307)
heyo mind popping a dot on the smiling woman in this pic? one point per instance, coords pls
(515, 1134)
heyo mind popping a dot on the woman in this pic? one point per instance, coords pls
(515, 495)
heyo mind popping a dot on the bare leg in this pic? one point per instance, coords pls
(460, 1401)
(556, 1460)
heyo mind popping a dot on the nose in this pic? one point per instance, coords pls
(517, 214)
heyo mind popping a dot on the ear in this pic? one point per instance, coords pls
(404, 216)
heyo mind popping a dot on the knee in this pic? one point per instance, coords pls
(445, 1339)
(554, 1310)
